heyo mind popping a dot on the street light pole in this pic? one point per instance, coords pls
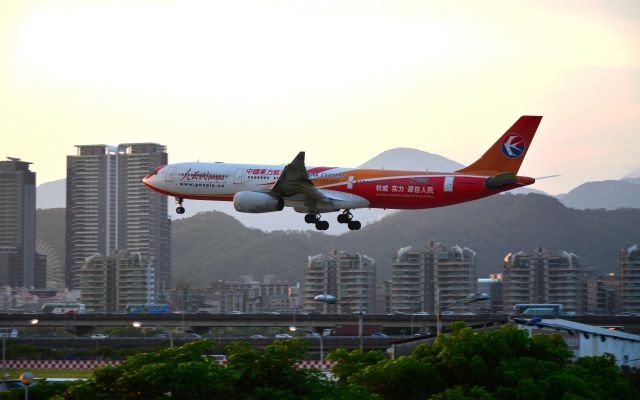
(438, 311)
(472, 298)
(360, 329)
(331, 299)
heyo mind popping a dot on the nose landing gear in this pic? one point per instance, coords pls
(179, 209)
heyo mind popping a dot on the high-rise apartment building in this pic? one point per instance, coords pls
(135, 281)
(91, 207)
(417, 275)
(541, 277)
(96, 283)
(630, 279)
(143, 223)
(349, 277)
(108, 284)
(109, 208)
(19, 261)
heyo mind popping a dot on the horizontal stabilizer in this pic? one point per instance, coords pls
(501, 180)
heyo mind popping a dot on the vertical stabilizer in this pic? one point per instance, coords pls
(507, 154)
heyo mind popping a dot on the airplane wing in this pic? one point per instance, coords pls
(294, 184)
(294, 180)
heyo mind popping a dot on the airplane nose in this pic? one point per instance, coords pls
(149, 179)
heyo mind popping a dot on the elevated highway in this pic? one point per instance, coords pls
(84, 323)
(391, 324)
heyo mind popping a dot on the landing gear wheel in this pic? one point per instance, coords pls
(344, 218)
(179, 209)
(354, 225)
(311, 218)
(322, 225)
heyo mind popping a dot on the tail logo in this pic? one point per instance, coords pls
(513, 145)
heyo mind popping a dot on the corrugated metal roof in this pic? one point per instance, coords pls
(563, 324)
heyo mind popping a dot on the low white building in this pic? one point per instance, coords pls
(588, 340)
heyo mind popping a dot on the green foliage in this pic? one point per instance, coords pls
(498, 365)
(458, 393)
(632, 375)
(183, 373)
(21, 350)
(39, 391)
(503, 364)
(350, 363)
(100, 351)
(404, 378)
(271, 368)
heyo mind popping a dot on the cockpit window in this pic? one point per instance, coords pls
(155, 171)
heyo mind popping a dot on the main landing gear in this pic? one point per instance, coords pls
(314, 218)
(179, 209)
(345, 218)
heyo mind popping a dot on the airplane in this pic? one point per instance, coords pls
(256, 188)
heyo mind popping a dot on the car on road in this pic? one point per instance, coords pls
(99, 336)
(257, 337)
(379, 335)
(283, 336)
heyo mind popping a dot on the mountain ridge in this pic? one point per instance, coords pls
(492, 227)
(213, 246)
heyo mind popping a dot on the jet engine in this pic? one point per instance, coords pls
(255, 202)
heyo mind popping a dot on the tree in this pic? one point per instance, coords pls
(503, 364)
(404, 378)
(184, 373)
(349, 363)
(176, 373)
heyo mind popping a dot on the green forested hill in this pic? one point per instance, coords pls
(214, 246)
(211, 246)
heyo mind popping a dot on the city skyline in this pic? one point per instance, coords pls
(542, 276)
(357, 77)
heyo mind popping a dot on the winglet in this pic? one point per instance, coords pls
(507, 154)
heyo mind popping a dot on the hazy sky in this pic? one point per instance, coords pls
(258, 81)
